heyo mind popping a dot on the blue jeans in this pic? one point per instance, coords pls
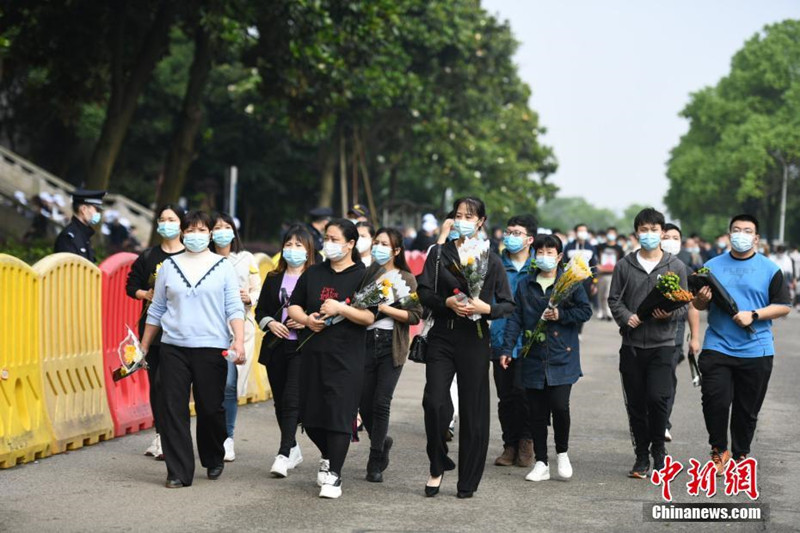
(231, 400)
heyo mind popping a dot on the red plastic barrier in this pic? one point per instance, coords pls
(129, 398)
(415, 260)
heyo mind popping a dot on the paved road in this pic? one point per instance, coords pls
(111, 485)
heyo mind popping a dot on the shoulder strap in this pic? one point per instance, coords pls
(438, 260)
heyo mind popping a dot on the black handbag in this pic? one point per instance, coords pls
(418, 351)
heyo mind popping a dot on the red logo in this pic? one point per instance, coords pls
(665, 476)
(741, 477)
(328, 293)
(703, 479)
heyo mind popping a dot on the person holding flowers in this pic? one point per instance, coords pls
(648, 339)
(387, 346)
(332, 356)
(279, 347)
(550, 366)
(464, 286)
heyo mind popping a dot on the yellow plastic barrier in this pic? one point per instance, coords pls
(72, 351)
(25, 433)
(257, 383)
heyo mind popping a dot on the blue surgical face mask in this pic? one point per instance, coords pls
(453, 235)
(465, 228)
(223, 237)
(196, 242)
(513, 243)
(295, 256)
(742, 242)
(95, 219)
(546, 263)
(650, 240)
(381, 254)
(169, 230)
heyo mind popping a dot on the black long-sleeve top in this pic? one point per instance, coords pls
(143, 277)
(496, 290)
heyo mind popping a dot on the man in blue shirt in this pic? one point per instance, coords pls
(512, 407)
(736, 365)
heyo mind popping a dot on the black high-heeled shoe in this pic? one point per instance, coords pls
(433, 491)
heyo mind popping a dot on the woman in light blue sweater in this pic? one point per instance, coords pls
(196, 297)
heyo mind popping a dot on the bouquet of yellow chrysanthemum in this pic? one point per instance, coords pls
(130, 355)
(576, 272)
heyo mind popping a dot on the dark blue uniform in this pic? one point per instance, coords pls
(76, 239)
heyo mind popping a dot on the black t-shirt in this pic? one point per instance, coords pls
(142, 277)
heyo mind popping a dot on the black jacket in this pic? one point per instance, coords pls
(496, 290)
(143, 277)
(76, 238)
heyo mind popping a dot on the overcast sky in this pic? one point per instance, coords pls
(609, 78)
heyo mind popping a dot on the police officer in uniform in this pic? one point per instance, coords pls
(76, 237)
(319, 219)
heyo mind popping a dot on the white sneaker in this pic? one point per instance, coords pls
(540, 472)
(322, 474)
(331, 487)
(667, 435)
(230, 455)
(564, 466)
(281, 466)
(295, 456)
(155, 447)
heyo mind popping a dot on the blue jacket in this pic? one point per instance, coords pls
(499, 324)
(557, 360)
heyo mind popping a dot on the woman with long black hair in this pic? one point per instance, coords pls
(456, 348)
(279, 347)
(332, 367)
(387, 350)
(140, 285)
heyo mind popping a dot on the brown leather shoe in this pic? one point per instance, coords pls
(507, 457)
(525, 456)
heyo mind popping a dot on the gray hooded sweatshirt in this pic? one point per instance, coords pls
(630, 285)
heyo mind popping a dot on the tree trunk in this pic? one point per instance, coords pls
(327, 162)
(125, 92)
(182, 147)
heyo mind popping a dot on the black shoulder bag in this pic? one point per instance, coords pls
(419, 346)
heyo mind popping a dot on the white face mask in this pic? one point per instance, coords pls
(363, 244)
(333, 250)
(671, 246)
(582, 235)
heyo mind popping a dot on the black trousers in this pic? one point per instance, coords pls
(380, 380)
(512, 405)
(677, 357)
(283, 372)
(552, 400)
(203, 370)
(333, 446)
(737, 385)
(153, 361)
(647, 386)
(457, 352)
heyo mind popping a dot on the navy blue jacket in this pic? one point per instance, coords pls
(499, 324)
(557, 360)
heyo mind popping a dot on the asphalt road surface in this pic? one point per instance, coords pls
(112, 486)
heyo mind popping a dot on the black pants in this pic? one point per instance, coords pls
(512, 405)
(647, 386)
(153, 361)
(283, 372)
(333, 446)
(203, 370)
(676, 358)
(738, 385)
(457, 352)
(380, 380)
(542, 404)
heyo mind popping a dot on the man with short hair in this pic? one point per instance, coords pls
(645, 362)
(609, 254)
(581, 245)
(736, 365)
(76, 237)
(512, 407)
(319, 219)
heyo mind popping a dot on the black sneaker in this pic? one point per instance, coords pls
(641, 467)
(659, 458)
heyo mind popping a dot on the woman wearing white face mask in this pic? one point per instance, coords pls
(196, 303)
(279, 348)
(140, 285)
(364, 243)
(455, 348)
(387, 350)
(332, 361)
(225, 241)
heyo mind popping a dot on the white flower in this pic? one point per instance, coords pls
(478, 174)
(249, 109)
(414, 113)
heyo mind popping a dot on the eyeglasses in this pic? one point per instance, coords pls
(507, 233)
